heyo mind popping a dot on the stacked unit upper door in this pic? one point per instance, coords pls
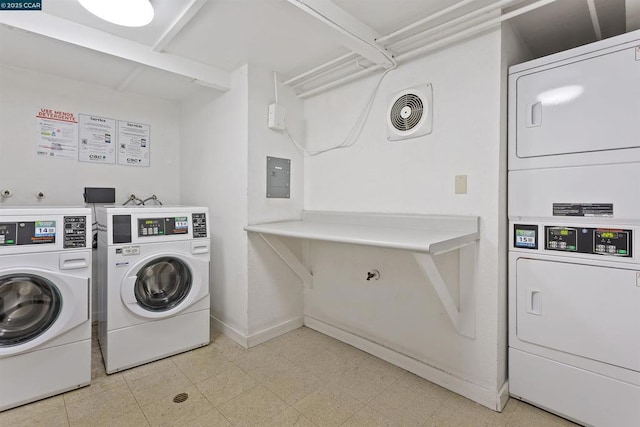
(577, 112)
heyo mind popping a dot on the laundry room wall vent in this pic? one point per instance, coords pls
(410, 113)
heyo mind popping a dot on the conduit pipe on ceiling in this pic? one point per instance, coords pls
(423, 21)
(330, 71)
(300, 79)
(473, 30)
(470, 17)
(436, 33)
(345, 57)
(433, 46)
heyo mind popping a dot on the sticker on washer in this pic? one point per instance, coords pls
(130, 250)
(583, 209)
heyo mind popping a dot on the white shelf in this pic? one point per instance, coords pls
(423, 235)
(416, 233)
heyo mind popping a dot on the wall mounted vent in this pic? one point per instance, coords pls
(410, 113)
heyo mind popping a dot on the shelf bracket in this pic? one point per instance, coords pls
(463, 312)
(290, 259)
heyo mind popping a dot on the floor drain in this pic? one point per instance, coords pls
(180, 397)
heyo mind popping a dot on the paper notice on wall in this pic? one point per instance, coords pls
(57, 134)
(97, 139)
(133, 143)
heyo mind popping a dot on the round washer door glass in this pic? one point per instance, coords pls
(162, 284)
(29, 305)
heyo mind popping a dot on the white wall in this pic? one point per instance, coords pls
(213, 173)
(226, 142)
(514, 51)
(632, 8)
(401, 310)
(23, 93)
(275, 293)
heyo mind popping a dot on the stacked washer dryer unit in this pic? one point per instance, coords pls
(45, 302)
(574, 219)
(153, 280)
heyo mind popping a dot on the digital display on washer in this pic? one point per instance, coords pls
(27, 233)
(525, 236)
(165, 226)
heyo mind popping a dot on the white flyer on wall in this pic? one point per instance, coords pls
(57, 134)
(97, 139)
(133, 143)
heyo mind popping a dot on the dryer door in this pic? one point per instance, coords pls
(586, 310)
(29, 305)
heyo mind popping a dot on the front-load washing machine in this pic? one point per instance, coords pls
(153, 283)
(45, 302)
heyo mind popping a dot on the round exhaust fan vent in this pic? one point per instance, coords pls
(406, 112)
(410, 113)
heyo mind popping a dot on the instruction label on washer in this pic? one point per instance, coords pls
(128, 250)
(583, 209)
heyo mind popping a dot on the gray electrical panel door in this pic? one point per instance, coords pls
(278, 178)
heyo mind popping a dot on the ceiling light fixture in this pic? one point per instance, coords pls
(128, 13)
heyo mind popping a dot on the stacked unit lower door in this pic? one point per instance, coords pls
(45, 345)
(576, 346)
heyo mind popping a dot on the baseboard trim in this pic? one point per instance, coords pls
(259, 337)
(230, 332)
(491, 399)
(503, 396)
(274, 331)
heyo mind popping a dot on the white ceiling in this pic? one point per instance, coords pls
(224, 34)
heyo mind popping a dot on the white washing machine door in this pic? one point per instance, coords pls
(163, 285)
(38, 305)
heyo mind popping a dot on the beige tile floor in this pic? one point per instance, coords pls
(302, 378)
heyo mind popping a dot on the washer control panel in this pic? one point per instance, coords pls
(27, 233)
(199, 224)
(75, 232)
(597, 241)
(165, 226)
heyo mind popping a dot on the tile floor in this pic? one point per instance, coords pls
(302, 378)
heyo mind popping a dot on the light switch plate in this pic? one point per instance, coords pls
(461, 184)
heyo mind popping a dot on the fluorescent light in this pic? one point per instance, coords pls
(128, 13)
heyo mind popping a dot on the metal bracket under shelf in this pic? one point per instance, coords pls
(463, 313)
(290, 259)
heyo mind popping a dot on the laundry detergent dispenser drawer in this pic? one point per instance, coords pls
(589, 311)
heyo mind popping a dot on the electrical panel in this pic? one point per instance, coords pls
(278, 178)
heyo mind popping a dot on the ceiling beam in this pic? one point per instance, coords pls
(351, 32)
(83, 36)
(177, 25)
